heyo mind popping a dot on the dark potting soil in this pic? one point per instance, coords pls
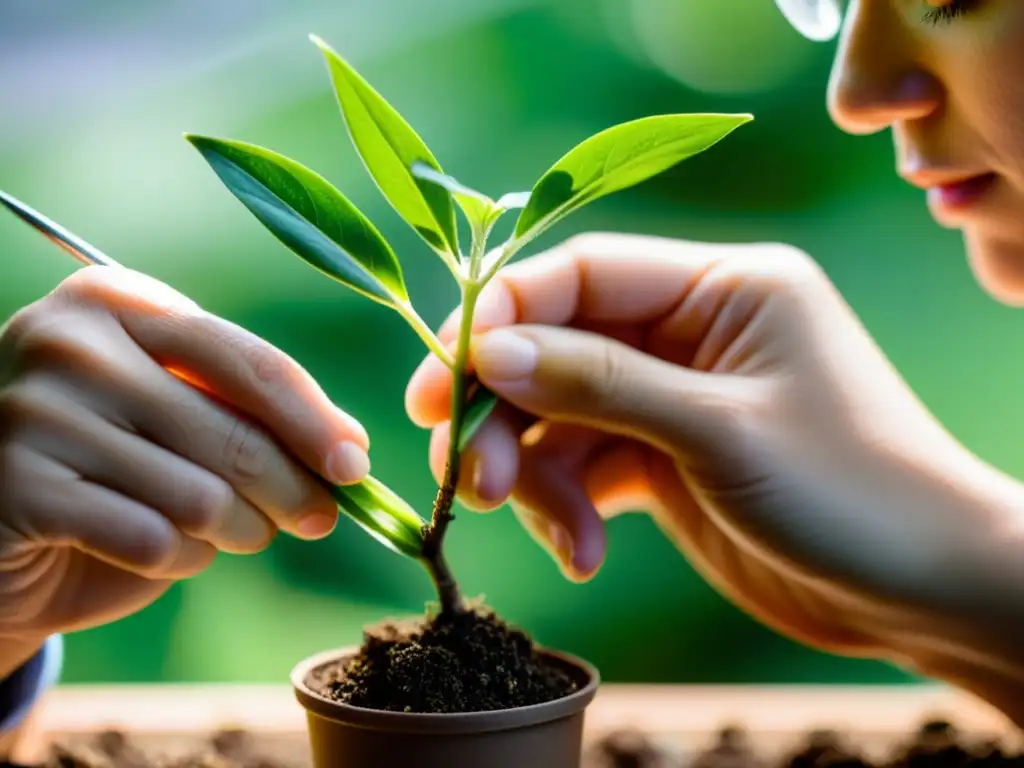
(471, 662)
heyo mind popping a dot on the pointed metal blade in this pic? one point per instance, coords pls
(55, 233)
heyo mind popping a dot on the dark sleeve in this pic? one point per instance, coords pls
(22, 689)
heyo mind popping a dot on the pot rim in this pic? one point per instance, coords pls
(448, 722)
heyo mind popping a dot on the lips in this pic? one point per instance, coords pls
(949, 192)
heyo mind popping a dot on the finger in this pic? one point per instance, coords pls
(121, 382)
(79, 605)
(428, 394)
(571, 376)
(616, 478)
(199, 503)
(713, 328)
(235, 449)
(602, 278)
(489, 462)
(238, 366)
(613, 471)
(554, 507)
(608, 471)
(55, 507)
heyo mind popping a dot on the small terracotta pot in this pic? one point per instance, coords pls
(548, 735)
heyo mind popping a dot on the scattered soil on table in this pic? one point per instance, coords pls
(471, 662)
(732, 749)
(935, 744)
(826, 749)
(627, 748)
(225, 748)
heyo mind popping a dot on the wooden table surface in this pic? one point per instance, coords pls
(169, 716)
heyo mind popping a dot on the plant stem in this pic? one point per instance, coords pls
(447, 588)
(423, 331)
(508, 250)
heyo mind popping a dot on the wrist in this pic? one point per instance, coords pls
(967, 624)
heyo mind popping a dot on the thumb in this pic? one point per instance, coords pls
(572, 376)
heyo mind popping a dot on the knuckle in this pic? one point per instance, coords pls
(155, 548)
(56, 338)
(585, 243)
(269, 366)
(121, 289)
(603, 378)
(207, 506)
(32, 327)
(21, 407)
(271, 369)
(247, 452)
(22, 322)
(86, 285)
(16, 477)
(789, 267)
(262, 541)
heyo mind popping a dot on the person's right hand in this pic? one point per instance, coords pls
(139, 435)
(732, 392)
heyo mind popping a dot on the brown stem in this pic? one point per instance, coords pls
(433, 551)
(433, 534)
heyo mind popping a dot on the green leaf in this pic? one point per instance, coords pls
(617, 158)
(309, 216)
(389, 147)
(383, 514)
(480, 210)
(477, 206)
(511, 201)
(480, 406)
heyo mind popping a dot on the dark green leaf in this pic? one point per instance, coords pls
(389, 148)
(619, 157)
(309, 216)
(382, 514)
(480, 406)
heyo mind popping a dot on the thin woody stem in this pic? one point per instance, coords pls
(447, 588)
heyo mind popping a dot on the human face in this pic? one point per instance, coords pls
(945, 77)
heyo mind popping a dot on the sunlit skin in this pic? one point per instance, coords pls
(945, 77)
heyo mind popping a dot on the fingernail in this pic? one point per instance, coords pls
(504, 355)
(477, 480)
(347, 464)
(560, 541)
(481, 488)
(316, 526)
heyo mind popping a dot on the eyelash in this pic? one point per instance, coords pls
(944, 14)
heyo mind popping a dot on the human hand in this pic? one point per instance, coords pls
(139, 436)
(730, 391)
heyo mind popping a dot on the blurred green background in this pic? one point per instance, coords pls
(94, 98)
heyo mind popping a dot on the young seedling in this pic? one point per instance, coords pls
(318, 223)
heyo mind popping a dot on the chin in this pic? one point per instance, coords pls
(998, 266)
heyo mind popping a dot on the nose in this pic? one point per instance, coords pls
(877, 79)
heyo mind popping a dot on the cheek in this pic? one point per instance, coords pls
(987, 89)
(987, 94)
